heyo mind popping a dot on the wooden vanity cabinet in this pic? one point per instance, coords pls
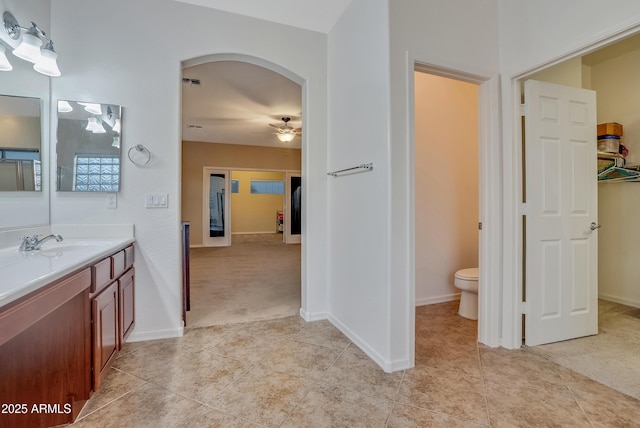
(45, 354)
(112, 309)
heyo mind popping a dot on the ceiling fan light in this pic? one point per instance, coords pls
(286, 137)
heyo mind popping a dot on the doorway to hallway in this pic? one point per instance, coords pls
(256, 278)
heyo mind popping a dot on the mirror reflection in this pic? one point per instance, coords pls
(20, 144)
(88, 148)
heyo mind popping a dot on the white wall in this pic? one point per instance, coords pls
(446, 190)
(359, 204)
(534, 34)
(23, 209)
(130, 53)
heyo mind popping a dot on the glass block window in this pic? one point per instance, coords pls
(96, 173)
(235, 186)
(264, 187)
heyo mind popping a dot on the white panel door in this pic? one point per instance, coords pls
(561, 279)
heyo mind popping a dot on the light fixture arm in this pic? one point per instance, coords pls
(14, 29)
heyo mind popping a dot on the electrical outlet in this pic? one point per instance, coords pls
(112, 201)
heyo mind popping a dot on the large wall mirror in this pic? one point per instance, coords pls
(88, 148)
(20, 144)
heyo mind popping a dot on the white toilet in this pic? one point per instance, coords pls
(466, 280)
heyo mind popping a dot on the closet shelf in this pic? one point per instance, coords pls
(616, 171)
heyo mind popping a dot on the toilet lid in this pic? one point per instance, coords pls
(469, 274)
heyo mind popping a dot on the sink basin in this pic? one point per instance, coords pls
(70, 246)
(25, 271)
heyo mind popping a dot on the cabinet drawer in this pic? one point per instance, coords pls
(117, 261)
(100, 275)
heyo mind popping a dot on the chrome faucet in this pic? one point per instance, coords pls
(30, 243)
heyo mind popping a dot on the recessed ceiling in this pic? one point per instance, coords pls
(236, 102)
(315, 15)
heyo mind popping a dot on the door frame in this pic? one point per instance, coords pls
(489, 176)
(514, 268)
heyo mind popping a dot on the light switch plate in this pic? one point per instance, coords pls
(112, 201)
(156, 200)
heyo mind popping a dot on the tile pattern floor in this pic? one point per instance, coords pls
(288, 373)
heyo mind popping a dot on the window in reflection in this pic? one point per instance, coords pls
(20, 170)
(96, 173)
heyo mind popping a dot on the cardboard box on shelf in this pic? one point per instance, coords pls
(611, 128)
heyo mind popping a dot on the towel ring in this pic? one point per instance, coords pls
(140, 149)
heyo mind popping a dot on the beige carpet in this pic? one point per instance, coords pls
(612, 357)
(256, 278)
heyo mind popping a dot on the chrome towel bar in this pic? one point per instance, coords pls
(353, 170)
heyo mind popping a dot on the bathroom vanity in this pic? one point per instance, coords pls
(65, 312)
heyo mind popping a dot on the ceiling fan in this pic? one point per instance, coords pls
(286, 133)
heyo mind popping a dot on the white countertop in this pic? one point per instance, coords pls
(24, 272)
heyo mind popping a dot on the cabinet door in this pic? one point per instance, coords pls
(105, 331)
(126, 286)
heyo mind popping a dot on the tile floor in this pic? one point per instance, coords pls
(288, 373)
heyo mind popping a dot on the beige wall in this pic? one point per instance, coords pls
(446, 174)
(568, 73)
(254, 213)
(20, 132)
(196, 155)
(619, 203)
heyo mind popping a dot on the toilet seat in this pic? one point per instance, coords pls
(469, 274)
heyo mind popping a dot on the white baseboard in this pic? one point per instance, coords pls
(155, 335)
(312, 316)
(437, 299)
(621, 300)
(386, 365)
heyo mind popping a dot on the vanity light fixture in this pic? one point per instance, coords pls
(29, 48)
(92, 108)
(5, 65)
(64, 106)
(95, 126)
